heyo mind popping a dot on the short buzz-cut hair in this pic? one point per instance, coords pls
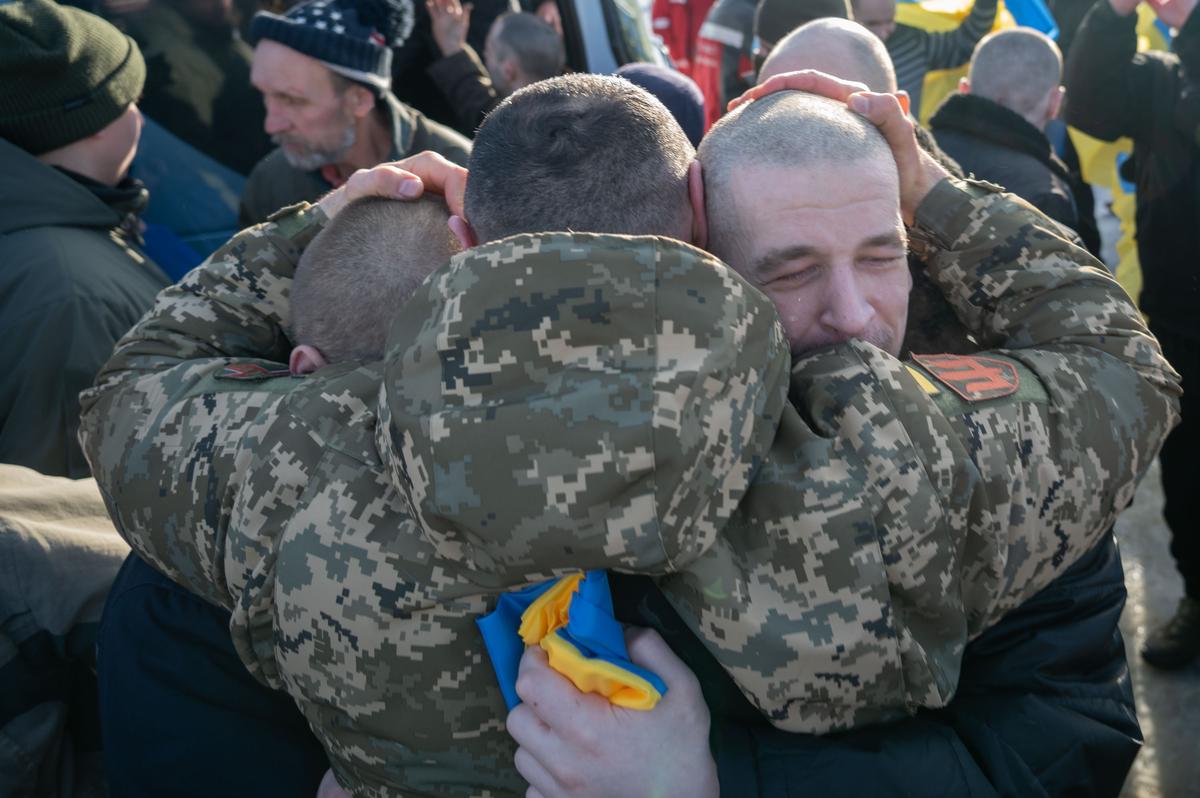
(787, 129)
(1016, 68)
(840, 47)
(587, 153)
(362, 267)
(533, 42)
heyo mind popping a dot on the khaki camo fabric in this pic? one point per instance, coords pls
(835, 533)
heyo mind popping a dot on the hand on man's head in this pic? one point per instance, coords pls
(919, 172)
(406, 179)
(578, 744)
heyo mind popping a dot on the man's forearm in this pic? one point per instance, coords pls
(1100, 77)
(142, 427)
(1017, 284)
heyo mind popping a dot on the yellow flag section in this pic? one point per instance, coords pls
(1100, 160)
(943, 15)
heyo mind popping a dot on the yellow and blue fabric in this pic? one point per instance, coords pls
(571, 618)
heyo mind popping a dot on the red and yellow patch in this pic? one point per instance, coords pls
(973, 377)
(250, 371)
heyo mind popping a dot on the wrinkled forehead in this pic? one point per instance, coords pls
(278, 68)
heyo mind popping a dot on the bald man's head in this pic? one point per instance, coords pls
(838, 47)
(775, 19)
(1021, 69)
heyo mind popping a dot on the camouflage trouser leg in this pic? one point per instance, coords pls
(1178, 461)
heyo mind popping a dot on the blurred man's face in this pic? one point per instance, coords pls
(826, 243)
(877, 16)
(497, 61)
(306, 114)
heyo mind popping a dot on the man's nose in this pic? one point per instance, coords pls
(846, 310)
(275, 121)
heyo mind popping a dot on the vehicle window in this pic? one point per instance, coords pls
(628, 33)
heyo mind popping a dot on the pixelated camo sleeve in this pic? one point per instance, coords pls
(160, 448)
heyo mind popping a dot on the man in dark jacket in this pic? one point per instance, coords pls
(73, 278)
(325, 76)
(994, 126)
(1116, 91)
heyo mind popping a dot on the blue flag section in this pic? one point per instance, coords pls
(571, 618)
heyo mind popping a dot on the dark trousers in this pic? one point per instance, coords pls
(179, 714)
(1181, 488)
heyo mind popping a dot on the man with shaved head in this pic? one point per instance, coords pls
(775, 19)
(994, 127)
(837, 46)
(839, 201)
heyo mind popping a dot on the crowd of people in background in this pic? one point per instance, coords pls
(329, 323)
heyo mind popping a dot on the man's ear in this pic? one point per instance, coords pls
(362, 101)
(695, 179)
(1056, 101)
(463, 232)
(511, 74)
(305, 359)
(964, 85)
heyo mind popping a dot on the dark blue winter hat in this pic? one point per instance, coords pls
(351, 37)
(678, 92)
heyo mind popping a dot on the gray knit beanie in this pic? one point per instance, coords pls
(64, 74)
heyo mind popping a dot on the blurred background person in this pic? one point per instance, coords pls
(1152, 97)
(995, 126)
(325, 77)
(774, 19)
(74, 276)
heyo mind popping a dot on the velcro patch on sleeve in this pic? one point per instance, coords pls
(973, 377)
(250, 372)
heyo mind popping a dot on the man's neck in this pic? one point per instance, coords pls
(372, 146)
(76, 158)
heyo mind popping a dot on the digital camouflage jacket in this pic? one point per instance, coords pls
(566, 401)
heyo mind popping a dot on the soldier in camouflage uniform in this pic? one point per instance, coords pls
(890, 516)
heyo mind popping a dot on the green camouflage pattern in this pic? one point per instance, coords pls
(560, 401)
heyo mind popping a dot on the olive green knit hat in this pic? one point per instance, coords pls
(64, 74)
